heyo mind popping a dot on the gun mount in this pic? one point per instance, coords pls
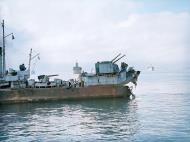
(115, 57)
(108, 67)
(45, 78)
(119, 59)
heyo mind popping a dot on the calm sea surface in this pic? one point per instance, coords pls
(160, 112)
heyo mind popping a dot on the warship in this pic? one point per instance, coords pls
(108, 81)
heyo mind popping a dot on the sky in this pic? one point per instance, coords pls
(148, 32)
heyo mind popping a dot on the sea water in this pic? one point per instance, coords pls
(160, 112)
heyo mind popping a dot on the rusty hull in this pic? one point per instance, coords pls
(51, 94)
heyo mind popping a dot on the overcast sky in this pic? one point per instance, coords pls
(149, 32)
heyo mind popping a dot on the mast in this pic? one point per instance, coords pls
(1, 60)
(3, 51)
(30, 58)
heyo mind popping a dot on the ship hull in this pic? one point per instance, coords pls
(52, 94)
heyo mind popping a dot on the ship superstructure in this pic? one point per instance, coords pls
(108, 72)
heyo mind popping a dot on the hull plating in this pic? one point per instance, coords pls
(50, 94)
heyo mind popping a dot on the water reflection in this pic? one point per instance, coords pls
(70, 121)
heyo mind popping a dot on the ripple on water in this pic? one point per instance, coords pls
(69, 120)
